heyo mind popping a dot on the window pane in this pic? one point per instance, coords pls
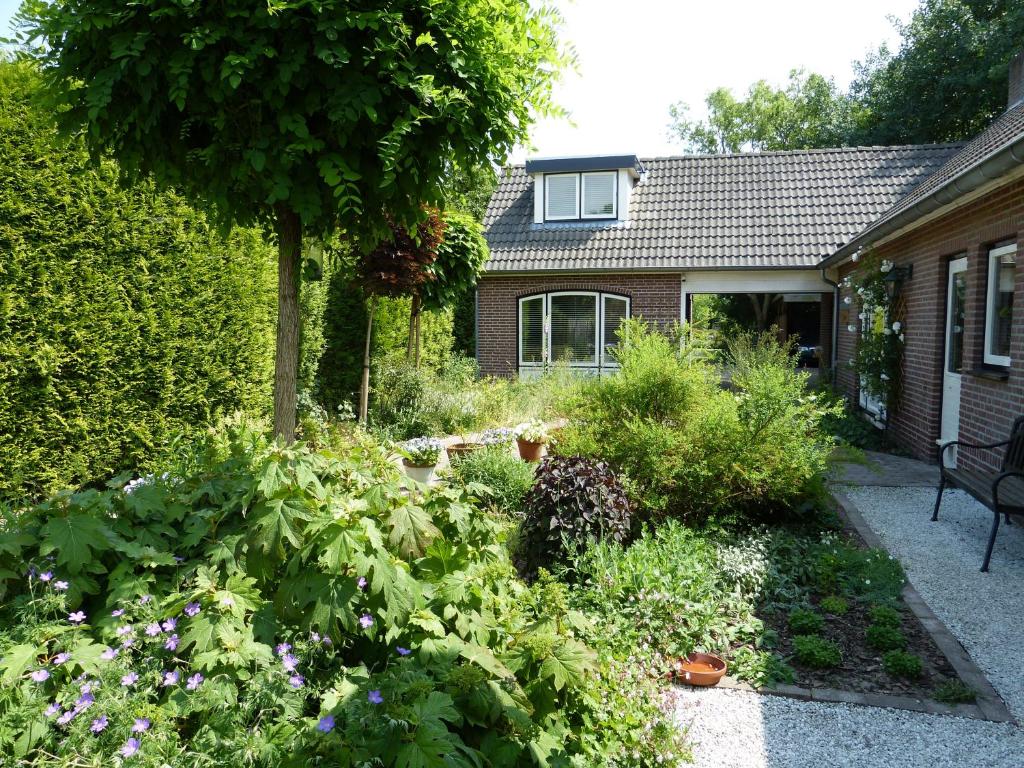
(560, 197)
(599, 194)
(574, 328)
(1003, 275)
(531, 330)
(615, 309)
(957, 316)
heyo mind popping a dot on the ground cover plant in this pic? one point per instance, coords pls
(507, 478)
(263, 605)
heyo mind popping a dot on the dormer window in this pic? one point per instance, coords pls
(583, 188)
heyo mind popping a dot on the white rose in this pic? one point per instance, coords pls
(887, 331)
(896, 326)
(847, 300)
(902, 338)
(851, 328)
(884, 377)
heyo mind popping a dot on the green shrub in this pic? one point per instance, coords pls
(573, 502)
(954, 692)
(318, 614)
(870, 574)
(884, 638)
(126, 317)
(805, 622)
(508, 477)
(902, 664)
(816, 652)
(885, 616)
(835, 605)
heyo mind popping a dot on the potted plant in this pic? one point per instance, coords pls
(531, 437)
(498, 436)
(420, 456)
(464, 448)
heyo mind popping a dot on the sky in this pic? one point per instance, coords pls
(637, 57)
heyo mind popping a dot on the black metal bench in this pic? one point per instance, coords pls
(1002, 491)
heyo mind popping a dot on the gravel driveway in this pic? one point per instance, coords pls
(735, 729)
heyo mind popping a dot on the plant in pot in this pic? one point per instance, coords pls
(420, 456)
(531, 437)
(463, 448)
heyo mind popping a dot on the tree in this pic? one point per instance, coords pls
(947, 82)
(308, 116)
(809, 112)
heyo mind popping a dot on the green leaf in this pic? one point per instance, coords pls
(74, 538)
(412, 529)
(567, 664)
(16, 660)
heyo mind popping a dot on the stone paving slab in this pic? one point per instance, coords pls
(886, 470)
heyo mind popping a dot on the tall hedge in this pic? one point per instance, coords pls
(125, 316)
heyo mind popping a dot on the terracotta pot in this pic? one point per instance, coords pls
(699, 669)
(419, 474)
(529, 451)
(463, 449)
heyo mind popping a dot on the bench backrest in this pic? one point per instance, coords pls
(1014, 458)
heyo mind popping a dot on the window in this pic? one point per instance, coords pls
(873, 322)
(1002, 274)
(574, 196)
(579, 328)
(561, 196)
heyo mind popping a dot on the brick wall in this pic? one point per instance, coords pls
(655, 297)
(987, 407)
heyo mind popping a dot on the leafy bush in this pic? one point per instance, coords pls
(126, 317)
(885, 638)
(885, 616)
(805, 622)
(573, 502)
(507, 477)
(817, 652)
(835, 605)
(692, 449)
(283, 606)
(870, 574)
(902, 664)
(954, 692)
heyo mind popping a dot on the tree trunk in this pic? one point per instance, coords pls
(419, 319)
(286, 363)
(364, 387)
(414, 317)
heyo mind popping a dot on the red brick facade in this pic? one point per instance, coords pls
(654, 296)
(988, 404)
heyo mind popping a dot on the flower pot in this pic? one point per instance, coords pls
(419, 474)
(458, 450)
(530, 451)
(699, 669)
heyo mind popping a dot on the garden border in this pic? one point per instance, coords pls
(988, 705)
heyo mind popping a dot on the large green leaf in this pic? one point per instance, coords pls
(411, 529)
(16, 660)
(74, 538)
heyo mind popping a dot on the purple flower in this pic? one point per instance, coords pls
(60, 586)
(141, 725)
(282, 648)
(128, 642)
(40, 676)
(123, 630)
(98, 724)
(52, 710)
(296, 681)
(192, 609)
(327, 640)
(172, 643)
(61, 658)
(117, 612)
(67, 717)
(77, 617)
(289, 662)
(152, 630)
(366, 621)
(145, 599)
(194, 682)
(84, 701)
(110, 654)
(169, 625)
(361, 582)
(403, 651)
(326, 724)
(46, 576)
(227, 601)
(314, 637)
(130, 679)
(374, 697)
(170, 678)
(130, 747)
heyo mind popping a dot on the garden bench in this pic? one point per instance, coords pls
(1002, 492)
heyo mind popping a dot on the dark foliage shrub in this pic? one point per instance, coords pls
(573, 502)
(884, 638)
(804, 622)
(816, 652)
(885, 616)
(506, 475)
(902, 664)
(835, 605)
(126, 317)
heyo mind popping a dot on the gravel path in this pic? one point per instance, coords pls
(735, 729)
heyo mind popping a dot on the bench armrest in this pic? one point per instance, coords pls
(999, 480)
(944, 446)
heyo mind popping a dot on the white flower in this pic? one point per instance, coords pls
(902, 338)
(851, 328)
(887, 331)
(847, 300)
(863, 315)
(896, 326)
(886, 266)
(884, 376)
(855, 258)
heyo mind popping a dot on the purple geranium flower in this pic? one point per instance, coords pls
(67, 717)
(110, 654)
(130, 679)
(84, 701)
(130, 747)
(52, 710)
(61, 658)
(98, 724)
(361, 582)
(77, 617)
(192, 609)
(374, 697)
(128, 642)
(152, 630)
(117, 612)
(40, 676)
(141, 725)
(172, 643)
(124, 629)
(289, 662)
(170, 678)
(282, 648)
(366, 621)
(61, 586)
(169, 625)
(296, 681)
(314, 637)
(326, 724)
(403, 651)
(46, 575)
(327, 640)
(194, 682)
(145, 599)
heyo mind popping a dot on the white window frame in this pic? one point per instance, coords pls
(615, 195)
(990, 303)
(599, 364)
(547, 197)
(871, 405)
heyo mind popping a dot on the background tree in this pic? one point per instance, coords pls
(307, 116)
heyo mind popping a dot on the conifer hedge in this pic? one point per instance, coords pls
(126, 317)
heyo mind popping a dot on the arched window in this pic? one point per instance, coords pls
(579, 328)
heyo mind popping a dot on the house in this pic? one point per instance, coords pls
(577, 243)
